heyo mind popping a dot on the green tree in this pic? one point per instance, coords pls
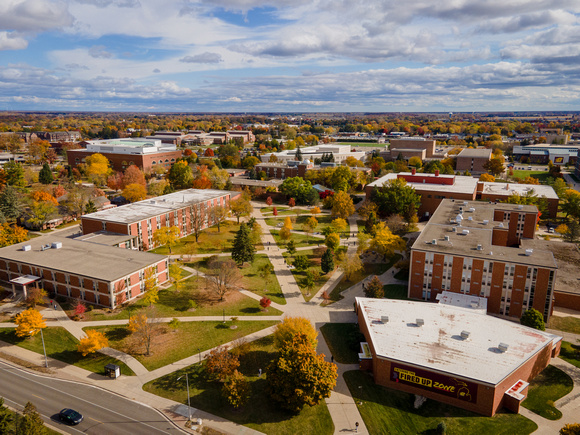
(291, 248)
(241, 207)
(297, 188)
(45, 174)
(298, 156)
(41, 212)
(10, 203)
(309, 225)
(350, 265)
(31, 423)
(301, 262)
(374, 288)
(327, 261)
(534, 319)
(14, 174)
(243, 250)
(494, 167)
(332, 241)
(236, 390)
(180, 175)
(5, 417)
(396, 197)
(342, 205)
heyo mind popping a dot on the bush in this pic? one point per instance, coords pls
(441, 428)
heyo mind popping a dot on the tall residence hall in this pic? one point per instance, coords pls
(146, 154)
(95, 270)
(487, 250)
(452, 352)
(141, 219)
(433, 188)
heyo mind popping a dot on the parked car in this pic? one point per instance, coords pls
(551, 230)
(70, 416)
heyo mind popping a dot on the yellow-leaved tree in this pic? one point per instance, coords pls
(29, 323)
(135, 192)
(97, 167)
(385, 242)
(487, 177)
(292, 326)
(94, 341)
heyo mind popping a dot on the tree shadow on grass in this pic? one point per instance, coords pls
(250, 310)
(118, 334)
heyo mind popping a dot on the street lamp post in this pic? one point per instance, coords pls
(44, 348)
(199, 353)
(188, 403)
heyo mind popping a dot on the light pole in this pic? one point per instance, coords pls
(44, 348)
(188, 405)
(199, 352)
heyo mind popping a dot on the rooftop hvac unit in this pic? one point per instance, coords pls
(465, 334)
(44, 247)
(520, 206)
(454, 229)
(471, 209)
(529, 252)
(479, 247)
(500, 225)
(470, 218)
(420, 322)
(465, 202)
(446, 238)
(153, 201)
(385, 319)
(434, 241)
(465, 232)
(485, 222)
(27, 248)
(56, 245)
(503, 347)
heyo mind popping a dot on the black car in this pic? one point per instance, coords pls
(70, 416)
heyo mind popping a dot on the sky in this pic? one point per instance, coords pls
(290, 56)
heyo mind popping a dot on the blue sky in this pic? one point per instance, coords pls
(280, 56)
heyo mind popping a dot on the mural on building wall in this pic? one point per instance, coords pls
(441, 384)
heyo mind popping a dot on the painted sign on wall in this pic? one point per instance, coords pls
(441, 384)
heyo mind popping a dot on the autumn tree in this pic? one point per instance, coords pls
(97, 168)
(31, 422)
(374, 288)
(135, 192)
(269, 201)
(12, 234)
(487, 177)
(80, 309)
(222, 276)
(151, 288)
(342, 205)
(570, 429)
(220, 363)
(132, 175)
(265, 303)
(315, 211)
(236, 390)
(332, 241)
(40, 212)
(93, 342)
(198, 217)
(115, 181)
(494, 166)
(350, 265)
(180, 176)
(29, 323)
(36, 296)
(288, 222)
(385, 242)
(241, 207)
(166, 236)
(309, 225)
(144, 327)
(243, 250)
(294, 326)
(218, 215)
(339, 225)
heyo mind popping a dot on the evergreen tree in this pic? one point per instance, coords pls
(534, 319)
(45, 174)
(10, 203)
(374, 289)
(298, 154)
(31, 423)
(90, 207)
(243, 249)
(327, 261)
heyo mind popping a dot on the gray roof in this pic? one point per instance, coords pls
(475, 153)
(148, 208)
(105, 238)
(76, 257)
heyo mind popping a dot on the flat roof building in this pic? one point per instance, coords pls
(473, 159)
(452, 354)
(340, 153)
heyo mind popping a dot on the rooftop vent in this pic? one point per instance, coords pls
(465, 334)
(485, 222)
(434, 241)
(385, 319)
(465, 232)
(490, 252)
(27, 248)
(465, 202)
(470, 218)
(153, 201)
(56, 245)
(520, 206)
(500, 225)
(454, 229)
(446, 238)
(479, 247)
(471, 209)
(529, 252)
(44, 247)
(503, 347)
(420, 322)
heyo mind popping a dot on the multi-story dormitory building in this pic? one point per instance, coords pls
(486, 250)
(141, 219)
(100, 274)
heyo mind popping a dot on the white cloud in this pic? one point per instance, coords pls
(8, 41)
(33, 15)
(206, 57)
(99, 52)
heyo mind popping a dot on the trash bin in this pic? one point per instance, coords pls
(112, 371)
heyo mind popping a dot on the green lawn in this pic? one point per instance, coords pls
(62, 346)
(300, 240)
(261, 413)
(314, 266)
(369, 269)
(189, 339)
(343, 341)
(542, 176)
(387, 411)
(252, 280)
(402, 275)
(210, 241)
(570, 353)
(566, 324)
(396, 291)
(323, 222)
(174, 303)
(271, 209)
(545, 389)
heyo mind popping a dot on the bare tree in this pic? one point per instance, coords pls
(198, 218)
(145, 326)
(218, 215)
(222, 276)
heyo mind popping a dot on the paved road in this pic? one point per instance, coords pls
(103, 412)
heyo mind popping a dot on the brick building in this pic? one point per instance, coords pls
(282, 171)
(146, 154)
(93, 272)
(473, 159)
(451, 354)
(143, 218)
(487, 250)
(433, 188)
(405, 144)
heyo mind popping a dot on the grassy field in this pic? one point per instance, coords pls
(300, 240)
(169, 345)
(566, 324)
(396, 291)
(545, 389)
(62, 346)
(174, 303)
(542, 176)
(343, 341)
(323, 222)
(387, 411)
(210, 242)
(261, 413)
(369, 269)
(570, 353)
(271, 209)
(314, 266)
(252, 280)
